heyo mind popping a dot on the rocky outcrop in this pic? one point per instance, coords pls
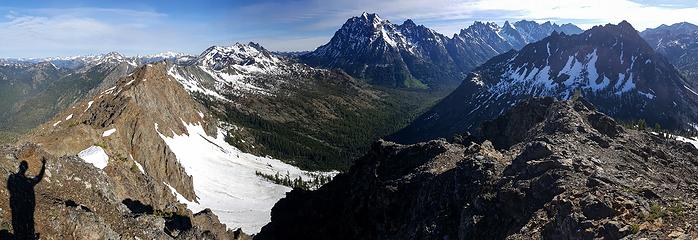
(546, 170)
(75, 200)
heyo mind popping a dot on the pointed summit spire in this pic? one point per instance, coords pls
(409, 23)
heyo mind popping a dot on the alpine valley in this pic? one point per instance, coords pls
(521, 131)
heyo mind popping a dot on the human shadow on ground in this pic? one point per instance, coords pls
(23, 202)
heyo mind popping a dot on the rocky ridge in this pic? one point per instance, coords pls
(679, 43)
(547, 169)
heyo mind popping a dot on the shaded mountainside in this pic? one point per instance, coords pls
(313, 118)
(545, 170)
(679, 43)
(611, 66)
(413, 56)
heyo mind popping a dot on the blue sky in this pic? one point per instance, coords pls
(33, 28)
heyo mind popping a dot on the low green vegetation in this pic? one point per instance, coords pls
(317, 180)
(642, 125)
(314, 141)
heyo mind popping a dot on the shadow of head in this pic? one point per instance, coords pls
(23, 166)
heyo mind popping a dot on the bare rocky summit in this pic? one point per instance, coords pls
(547, 169)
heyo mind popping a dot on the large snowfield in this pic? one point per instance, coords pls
(225, 181)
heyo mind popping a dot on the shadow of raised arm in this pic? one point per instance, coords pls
(40, 176)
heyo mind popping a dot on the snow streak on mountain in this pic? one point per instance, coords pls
(612, 66)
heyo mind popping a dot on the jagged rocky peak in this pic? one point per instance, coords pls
(367, 24)
(414, 56)
(546, 170)
(370, 17)
(479, 27)
(409, 23)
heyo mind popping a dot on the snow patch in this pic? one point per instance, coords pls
(647, 95)
(693, 140)
(108, 132)
(89, 104)
(96, 156)
(192, 85)
(137, 164)
(689, 89)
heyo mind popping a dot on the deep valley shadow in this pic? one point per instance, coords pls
(23, 201)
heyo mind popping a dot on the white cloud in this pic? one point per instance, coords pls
(53, 32)
(597, 12)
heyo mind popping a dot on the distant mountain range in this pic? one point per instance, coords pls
(414, 56)
(679, 43)
(32, 92)
(611, 66)
(75, 62)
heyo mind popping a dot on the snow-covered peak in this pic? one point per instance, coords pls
(113, 55)
(165, 55)
(251, 54)
(371, 17)
(508, 25)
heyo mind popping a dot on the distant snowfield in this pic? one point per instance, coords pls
(224, 178)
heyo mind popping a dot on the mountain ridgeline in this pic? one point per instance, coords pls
(611, 66)
(679, 43)
(413, 56)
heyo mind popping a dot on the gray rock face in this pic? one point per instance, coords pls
(567, 172)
